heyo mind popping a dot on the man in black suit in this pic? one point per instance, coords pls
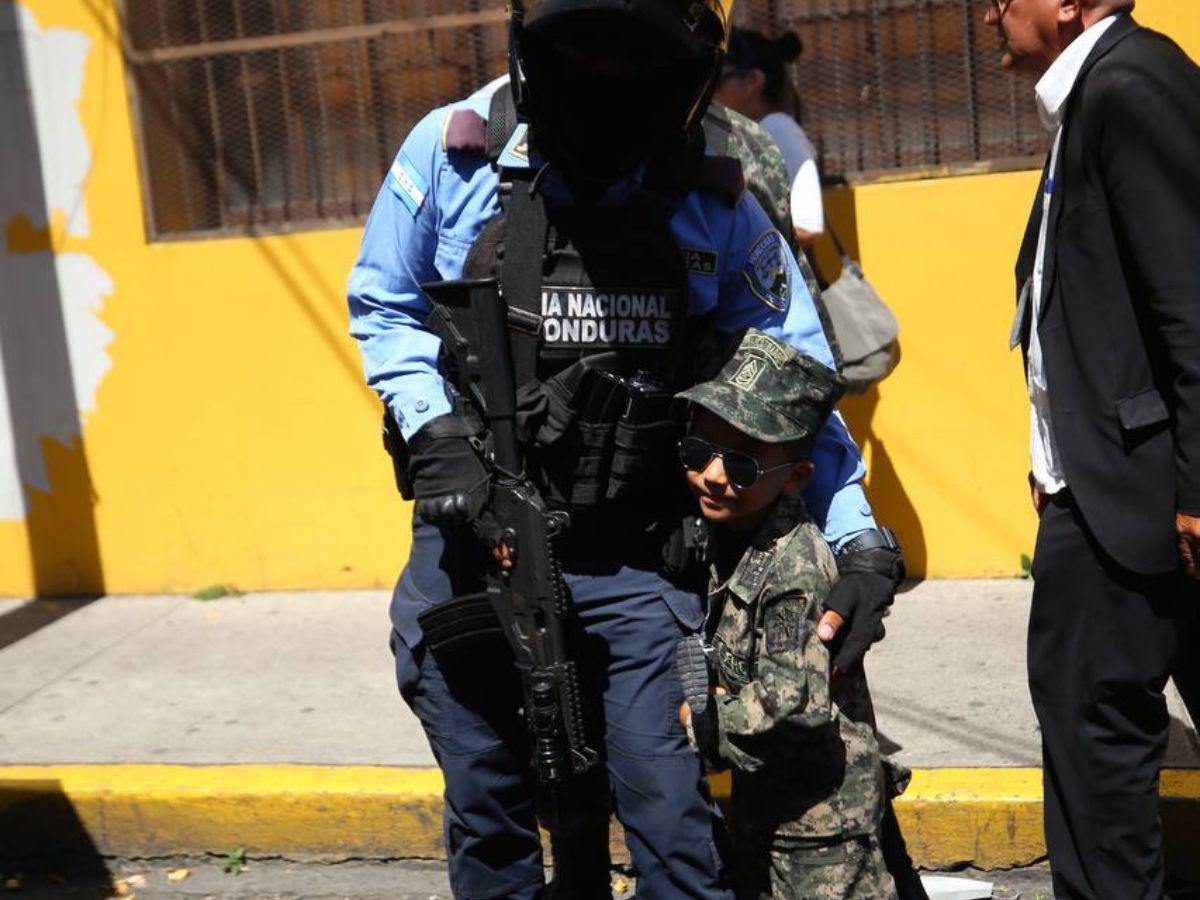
(1109, 320)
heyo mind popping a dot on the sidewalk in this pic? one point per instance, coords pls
(177, 725)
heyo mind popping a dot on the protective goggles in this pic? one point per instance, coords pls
(741, 469)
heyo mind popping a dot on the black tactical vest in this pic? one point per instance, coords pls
(599, 329)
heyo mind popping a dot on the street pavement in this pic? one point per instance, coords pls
(284, 880)
(307, 678)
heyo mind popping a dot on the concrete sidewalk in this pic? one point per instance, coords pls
(149, 688)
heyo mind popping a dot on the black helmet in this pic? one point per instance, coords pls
(609, 84)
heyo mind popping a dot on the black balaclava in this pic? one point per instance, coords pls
(604, 92)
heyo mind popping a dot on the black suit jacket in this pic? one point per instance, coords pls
(1119, 322)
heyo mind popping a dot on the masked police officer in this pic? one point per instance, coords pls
(628, 258)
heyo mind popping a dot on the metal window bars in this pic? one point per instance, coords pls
(894, 88)
(275, 115)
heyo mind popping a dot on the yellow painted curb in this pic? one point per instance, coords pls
(991, 818)
(298, 811)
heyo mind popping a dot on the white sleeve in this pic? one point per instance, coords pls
(808, 207)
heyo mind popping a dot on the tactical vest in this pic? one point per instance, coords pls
(599, 329)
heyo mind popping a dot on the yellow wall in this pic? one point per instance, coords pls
(232, 440)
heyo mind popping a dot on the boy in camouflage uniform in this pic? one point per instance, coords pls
(808, 781)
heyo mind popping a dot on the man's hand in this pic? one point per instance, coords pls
(862, 600)
(685, 708)
(853, 618)
(1040, 500)
(450, 482)
(1188, 529)
(831, 623)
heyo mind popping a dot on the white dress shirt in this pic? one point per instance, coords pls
(1053, 90)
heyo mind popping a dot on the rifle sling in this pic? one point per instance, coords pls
(521, 268)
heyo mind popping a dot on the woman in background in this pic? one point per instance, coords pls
(756, 84)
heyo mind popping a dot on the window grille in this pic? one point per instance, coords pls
(269, 115)
(889, 86)
(283, 114)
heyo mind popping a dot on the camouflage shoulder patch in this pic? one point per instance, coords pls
(783, 624)
(768, 270)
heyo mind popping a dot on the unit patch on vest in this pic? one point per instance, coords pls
(702, 262)
(768, 271)
(586, 317)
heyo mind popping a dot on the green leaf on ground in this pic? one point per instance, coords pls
(1026, 566)
(234, 861)
(217, 591)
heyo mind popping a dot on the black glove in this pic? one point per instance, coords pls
(450, 482)
(870, 569)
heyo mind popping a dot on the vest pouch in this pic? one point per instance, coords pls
(578, 466)
(642, 442)
(641, 456)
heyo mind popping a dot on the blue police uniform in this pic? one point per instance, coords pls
(432, 207)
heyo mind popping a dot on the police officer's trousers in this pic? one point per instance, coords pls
(468, 704)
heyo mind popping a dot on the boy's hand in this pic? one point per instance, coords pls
(685, 709)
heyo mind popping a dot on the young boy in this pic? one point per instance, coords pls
(807, 777)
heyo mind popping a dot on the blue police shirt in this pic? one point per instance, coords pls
(433, 205)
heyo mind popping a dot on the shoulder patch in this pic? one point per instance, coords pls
(702, 262)
(516, 151)
(768, 272)
(407, 183)
(784, 626)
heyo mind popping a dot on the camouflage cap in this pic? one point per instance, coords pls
(770, 391)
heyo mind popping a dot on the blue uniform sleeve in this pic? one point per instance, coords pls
(387, 309)
(756, 292)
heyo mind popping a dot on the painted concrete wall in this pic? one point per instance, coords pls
(187, 413)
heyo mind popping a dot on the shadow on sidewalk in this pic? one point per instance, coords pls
(27, 618)
(46, 847)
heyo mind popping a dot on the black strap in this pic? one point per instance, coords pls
(837, 242)
(871, 540)
(502, 122)
(717, 130)
(521, 269)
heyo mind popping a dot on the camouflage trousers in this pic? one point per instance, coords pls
(782, 868)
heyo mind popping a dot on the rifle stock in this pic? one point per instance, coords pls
(531, 599)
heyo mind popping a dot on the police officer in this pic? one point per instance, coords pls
(624, 253)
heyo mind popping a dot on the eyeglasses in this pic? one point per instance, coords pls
(741, 469)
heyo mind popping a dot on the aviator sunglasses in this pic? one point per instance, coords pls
(741, 469)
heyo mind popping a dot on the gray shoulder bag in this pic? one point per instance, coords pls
(865, 328)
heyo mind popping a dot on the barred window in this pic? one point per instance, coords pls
(269, 115)
(285, 114)
(892, 86)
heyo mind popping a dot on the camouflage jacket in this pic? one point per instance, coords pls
(805, 762)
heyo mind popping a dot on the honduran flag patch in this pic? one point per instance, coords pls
(407, 183)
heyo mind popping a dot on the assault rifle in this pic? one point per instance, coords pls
(531, 600)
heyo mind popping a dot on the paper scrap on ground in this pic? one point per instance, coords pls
(942, 887)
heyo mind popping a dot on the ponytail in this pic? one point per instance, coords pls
(752, 50)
